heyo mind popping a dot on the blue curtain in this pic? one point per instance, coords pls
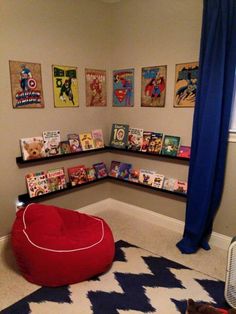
(211, 122)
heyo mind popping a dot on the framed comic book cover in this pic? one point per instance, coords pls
(186, 77)
(153, 86)
(65, 86)
(26, 84)
(95, 85)
(123, 88)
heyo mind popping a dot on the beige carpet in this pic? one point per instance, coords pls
(131, 229)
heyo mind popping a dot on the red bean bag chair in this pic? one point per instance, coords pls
(55, 246)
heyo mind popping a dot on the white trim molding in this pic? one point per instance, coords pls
(109, 204)
(217, 239)
(232, 136)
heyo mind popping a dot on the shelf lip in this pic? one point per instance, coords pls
(24, 198)
(148, 187)
(138, 152)
(20, 161)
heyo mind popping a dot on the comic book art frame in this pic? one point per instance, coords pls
(95, 86)
(186, 77)
(26, 84)
(123, 88)
(153, 86)
(65, 86)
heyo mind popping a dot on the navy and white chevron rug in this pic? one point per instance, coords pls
(138, 282)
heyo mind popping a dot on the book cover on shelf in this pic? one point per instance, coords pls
(64, 147)
(97, 136)
(134, 175)
(37, 183)
(100, 170)
(114, 168)
(169, 184)
(146, 176)
(170, 145)
(181, 186)
(86, 141)
(123, 172)
(74, 142)
(52, 141)
(119, 135)
(146, 139)
(56, 179)
(184, 151)
(158, 180)
(32, 148)
(155, 143)
(91, 174)
(135, 138)
(77, 175)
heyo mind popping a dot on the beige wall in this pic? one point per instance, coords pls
(90, 33)
(67, 32)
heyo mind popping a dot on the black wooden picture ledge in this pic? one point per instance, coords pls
(20, 161)
(25, 198)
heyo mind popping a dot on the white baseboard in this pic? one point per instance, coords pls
(217, 239)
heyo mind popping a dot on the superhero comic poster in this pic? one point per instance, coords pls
(65, 86)
(186, 77)
(26, 84)
(95, 85)
(153, 86)
(123, 88)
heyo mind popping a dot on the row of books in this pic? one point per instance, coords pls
(50, 144)
(123, 136)
(125, 171)
(44, 182)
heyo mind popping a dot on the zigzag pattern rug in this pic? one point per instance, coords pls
(138, 282)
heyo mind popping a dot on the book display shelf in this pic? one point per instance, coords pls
(25, 198)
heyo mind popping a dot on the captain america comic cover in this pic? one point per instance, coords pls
(26, 84)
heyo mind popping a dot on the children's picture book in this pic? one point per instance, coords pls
(184, 151)
(146, 176)
(146, 140)
(37, 183)
(65, 86)
(97, 136)
(170, 145)
(158, 180)
(95, 84)
(186, 77)
(86, 141)
(119, 135)
(100, 170)
(91, 174)
(123, 88)
(134, 175)
(56, 179)
(74, 142)
(52, 141)
(181, 186)
(26, 84)
(77, 175)
(153, 86)
(135, 139)
(155, 143)
(64, 147)
(32, 148)
(169, 184)
(114, 168)
(123, 172)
